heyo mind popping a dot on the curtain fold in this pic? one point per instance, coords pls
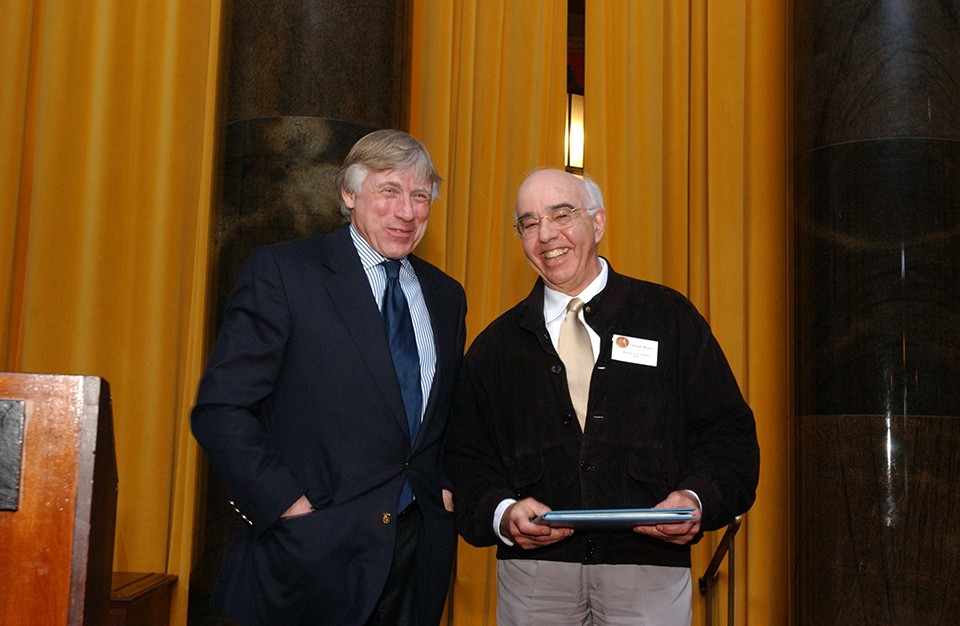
(107, 140)
(768, 371)
(685, 107)
(18, 37)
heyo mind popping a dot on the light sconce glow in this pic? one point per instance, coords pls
(573, 137)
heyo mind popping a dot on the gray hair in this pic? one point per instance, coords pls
(381, 151)
(594, 194)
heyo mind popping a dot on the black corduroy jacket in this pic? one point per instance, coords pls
(651, 428)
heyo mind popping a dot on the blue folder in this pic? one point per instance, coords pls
(614, 518)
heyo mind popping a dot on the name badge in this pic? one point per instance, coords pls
(635, 350)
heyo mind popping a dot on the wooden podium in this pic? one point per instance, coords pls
(58, 499)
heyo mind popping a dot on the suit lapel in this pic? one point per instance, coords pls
(443, 338)
(349, 290)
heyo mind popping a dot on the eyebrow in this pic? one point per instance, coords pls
(390, 182)
(550, 209)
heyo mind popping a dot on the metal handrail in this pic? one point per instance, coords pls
(706, 581)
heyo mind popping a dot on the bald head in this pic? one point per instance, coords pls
(566, 223)
(558, 181)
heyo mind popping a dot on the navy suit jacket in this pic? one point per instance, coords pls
(300, 397)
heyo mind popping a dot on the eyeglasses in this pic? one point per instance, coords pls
(560, 218)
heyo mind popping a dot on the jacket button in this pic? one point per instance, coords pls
(586, 466)
(556, 369)
(387, 518)
(406, 465)
(567, 419)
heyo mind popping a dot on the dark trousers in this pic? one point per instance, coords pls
(397, 604)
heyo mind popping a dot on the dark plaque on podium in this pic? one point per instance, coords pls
(11, 447)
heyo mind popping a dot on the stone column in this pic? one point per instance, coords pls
(877, 439)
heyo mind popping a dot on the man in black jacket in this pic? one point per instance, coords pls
(654, 419)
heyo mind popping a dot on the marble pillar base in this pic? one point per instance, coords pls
(877, 526)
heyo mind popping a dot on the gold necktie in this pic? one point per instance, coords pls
(577, 356)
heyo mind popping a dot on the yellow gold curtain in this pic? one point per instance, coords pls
(686, 120)
(107, 139)
(16, 121)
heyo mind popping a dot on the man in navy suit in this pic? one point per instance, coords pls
(302, 412)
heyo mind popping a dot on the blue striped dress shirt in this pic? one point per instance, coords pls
(371, 260)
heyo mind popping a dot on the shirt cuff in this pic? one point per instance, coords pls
(695, 497)
(497, 515)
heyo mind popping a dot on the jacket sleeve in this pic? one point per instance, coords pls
(472, 458)
(722, 454)
(240, 375)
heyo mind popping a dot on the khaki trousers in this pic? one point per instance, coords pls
(572, 594)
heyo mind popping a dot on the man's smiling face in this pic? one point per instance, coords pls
(391, 211)
(565, 257)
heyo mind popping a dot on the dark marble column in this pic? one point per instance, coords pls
(303, 80)
(877, 448)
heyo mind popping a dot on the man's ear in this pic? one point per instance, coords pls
(349, 198)
(599, 224)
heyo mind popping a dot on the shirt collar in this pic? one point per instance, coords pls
(555, 302)
(368, 256)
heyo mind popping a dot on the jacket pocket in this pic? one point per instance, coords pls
(651, 475)
(527, 472)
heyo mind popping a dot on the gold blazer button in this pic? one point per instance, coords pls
(387, 518)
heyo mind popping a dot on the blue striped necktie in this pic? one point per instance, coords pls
(406, 360)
